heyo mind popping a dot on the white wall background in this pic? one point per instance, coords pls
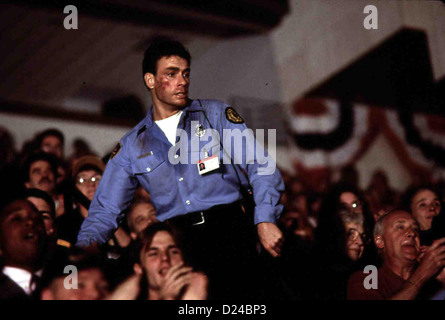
(381, 156)
(101, 138)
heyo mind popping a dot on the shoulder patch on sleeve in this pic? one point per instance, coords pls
(116, 150)
(233, 116)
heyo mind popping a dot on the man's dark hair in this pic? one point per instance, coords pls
(411, 192)
(49, 132)
(39, 156)
(37, 193)
(162, 48)
(145, 238)
(5, 205)
(88, 167)
(129, 211)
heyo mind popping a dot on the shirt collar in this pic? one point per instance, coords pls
(194, 105)
(21, 277)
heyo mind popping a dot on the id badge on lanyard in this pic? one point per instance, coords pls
(208, 163)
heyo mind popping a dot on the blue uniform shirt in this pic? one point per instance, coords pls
(178, 189)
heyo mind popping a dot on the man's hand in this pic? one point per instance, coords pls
(423, 249)
(128, 290)
(271, 238)
(433, 260)
(197, 288)
(441, 277)
(176, 278)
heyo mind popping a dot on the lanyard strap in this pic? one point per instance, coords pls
(249, 187)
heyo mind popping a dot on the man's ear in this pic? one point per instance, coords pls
(137, 268)
(133, 235)
(27, 185)
(149, 79)
(379, 243)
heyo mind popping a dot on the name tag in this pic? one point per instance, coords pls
(208, 164)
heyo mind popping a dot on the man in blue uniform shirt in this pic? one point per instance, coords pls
(204, 204)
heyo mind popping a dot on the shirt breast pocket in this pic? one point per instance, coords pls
(153, 174)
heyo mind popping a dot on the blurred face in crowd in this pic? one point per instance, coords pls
(425, 205)
(400, 239)
(44, 209)
(355, 238)
(162, 254)
(41, 176)
(91, 285)
(284, 199)
(22, 236)
(141, 193)
(87, 182)
(351, 201)
(290, 220)
(140, 217)
(300, 202)
(296, 186)
(61, 174)
(53, 145)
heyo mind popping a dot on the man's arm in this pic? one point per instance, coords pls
(431, 264)
(271, 237)
(112, 197)
(264, 177)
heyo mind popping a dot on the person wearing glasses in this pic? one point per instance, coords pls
(86, 172)
(355, 236)
(338, 253)
(346, 196)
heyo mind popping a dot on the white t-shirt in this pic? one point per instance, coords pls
(169, 126)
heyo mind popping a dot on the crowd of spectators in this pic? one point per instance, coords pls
(330, 236)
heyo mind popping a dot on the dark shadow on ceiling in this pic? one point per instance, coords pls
(216, 18)
(397, 74)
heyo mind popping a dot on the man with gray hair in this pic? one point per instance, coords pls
(407, 267)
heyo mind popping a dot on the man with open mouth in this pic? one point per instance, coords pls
(22, 243)
(409, 271)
